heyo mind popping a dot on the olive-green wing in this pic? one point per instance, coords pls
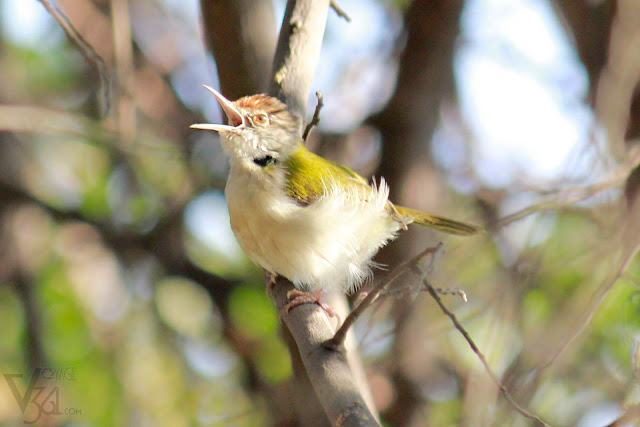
(437, 222)
(309, 176)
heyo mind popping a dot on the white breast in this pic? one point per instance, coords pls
(326, 245)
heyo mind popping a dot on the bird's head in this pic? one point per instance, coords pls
(261, 131)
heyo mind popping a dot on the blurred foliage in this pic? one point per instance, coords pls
(117, 260)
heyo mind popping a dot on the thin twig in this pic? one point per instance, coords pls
(88, 52)
(476, 350)
(557, 202)
(20, 119)
(316, 117)
(337, 340)
(442, 291)
(409, 287)
(339, 11)
(596, 304)
(453, 291)
(569, 196)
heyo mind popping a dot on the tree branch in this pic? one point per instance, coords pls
(316, 117)
(90, 55)
(242, 39)
(340, 11)
(339, 337)
(298, 52)
(434, 294)
(328, 369)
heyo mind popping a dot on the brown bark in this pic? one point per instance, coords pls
(241, 36)
(606, 39)
(590, 24)
(329, 371)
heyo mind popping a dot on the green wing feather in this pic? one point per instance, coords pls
(309, 174)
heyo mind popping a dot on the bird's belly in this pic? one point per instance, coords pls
(326, 245)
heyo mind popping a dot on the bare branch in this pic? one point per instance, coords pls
(45, 121)
(432, 291)
(88, 52)
(389, 278)
(453, 291)
(298, 52)
(569, 196)
(242, 38)
(328, 369)
(619, 77)
(340, 11)
(316, 117)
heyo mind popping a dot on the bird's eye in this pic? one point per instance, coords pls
(264, 161)
(260, 119)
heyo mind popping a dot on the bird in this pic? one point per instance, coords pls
(299, 215)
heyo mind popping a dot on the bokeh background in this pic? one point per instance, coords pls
(117, 260)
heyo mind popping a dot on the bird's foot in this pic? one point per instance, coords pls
(298, 298)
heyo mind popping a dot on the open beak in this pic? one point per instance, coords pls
(236, 120)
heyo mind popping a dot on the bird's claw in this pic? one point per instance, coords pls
(297, 298)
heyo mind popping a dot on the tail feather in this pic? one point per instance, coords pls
(437, 222)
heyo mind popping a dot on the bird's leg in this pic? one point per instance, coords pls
(307, 298)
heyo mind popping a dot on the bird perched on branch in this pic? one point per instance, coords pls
(298, 215)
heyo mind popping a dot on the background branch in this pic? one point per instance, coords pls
(242, 39)
(90, 55)
(387, 280)
(434, 294)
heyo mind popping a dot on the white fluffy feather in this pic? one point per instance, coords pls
(327, 245)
